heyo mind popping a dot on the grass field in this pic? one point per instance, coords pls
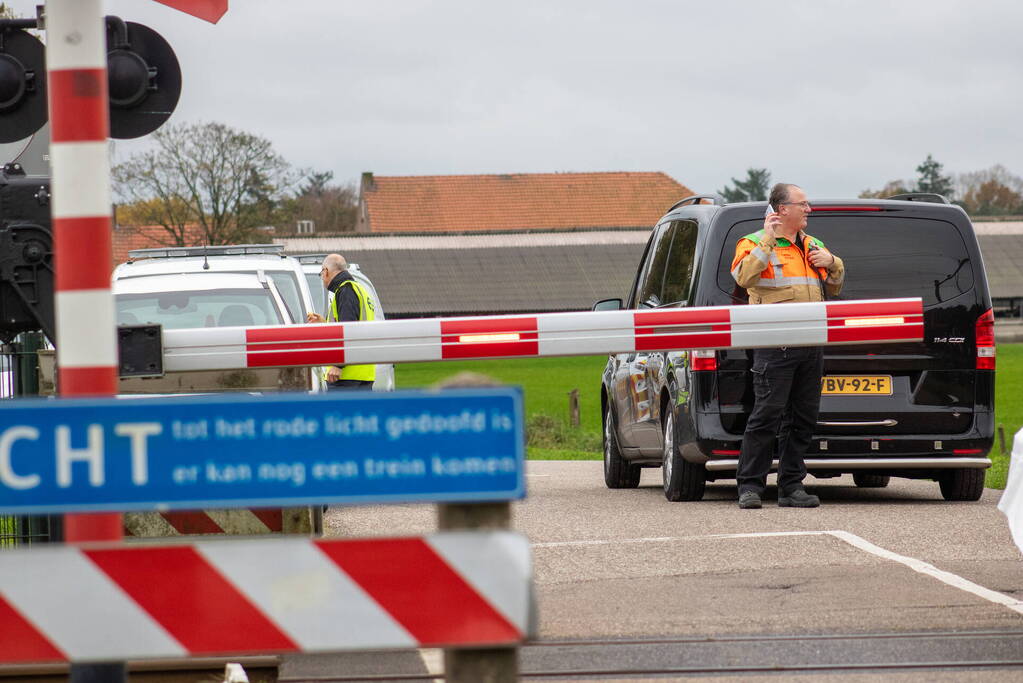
(547, 382)
(1008, 408)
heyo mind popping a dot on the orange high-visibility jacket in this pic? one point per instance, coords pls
(774, 270)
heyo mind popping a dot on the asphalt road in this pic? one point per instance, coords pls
(707, 585)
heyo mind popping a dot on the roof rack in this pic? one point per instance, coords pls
(317, 259)
(310, 258)
(219, 250)
(698, 199)
(932, 197)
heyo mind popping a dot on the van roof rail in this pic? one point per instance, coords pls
(218, 250)
(932, 197)
(698, 199)
(318, 259)
(310, 258)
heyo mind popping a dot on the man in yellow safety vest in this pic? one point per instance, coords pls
(349, 301)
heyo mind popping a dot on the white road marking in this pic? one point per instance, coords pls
(922, 567)
(855, 541)
(573, 544)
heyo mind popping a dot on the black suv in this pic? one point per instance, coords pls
(686, 411)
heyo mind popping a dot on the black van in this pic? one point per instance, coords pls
(686, 411)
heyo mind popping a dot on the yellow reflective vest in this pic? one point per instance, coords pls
(365, 373)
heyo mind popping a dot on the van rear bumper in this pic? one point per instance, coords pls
(848, 464)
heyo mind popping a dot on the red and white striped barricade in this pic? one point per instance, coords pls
(553, 334)
(227, 597)
(549, 334)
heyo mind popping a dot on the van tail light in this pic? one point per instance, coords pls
(704, 359)
(846, 208)
(985, 335)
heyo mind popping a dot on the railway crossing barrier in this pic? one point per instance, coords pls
(95, 603)
(548, 334)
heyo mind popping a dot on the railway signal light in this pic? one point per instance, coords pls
(22, 84)
(143, 79)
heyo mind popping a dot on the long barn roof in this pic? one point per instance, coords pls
(476, 274)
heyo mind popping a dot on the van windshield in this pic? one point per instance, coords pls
(183, 310)
(885, 257)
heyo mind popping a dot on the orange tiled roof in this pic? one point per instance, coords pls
(128, 237)
(519, 201)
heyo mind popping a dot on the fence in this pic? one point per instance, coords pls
(19, 377)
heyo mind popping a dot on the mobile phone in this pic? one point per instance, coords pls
(770, 210)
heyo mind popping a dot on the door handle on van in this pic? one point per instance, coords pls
(854, 423)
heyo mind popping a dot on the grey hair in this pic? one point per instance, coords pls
(335, 263)
(780, 193)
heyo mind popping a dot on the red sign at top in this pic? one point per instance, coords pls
(208, 10)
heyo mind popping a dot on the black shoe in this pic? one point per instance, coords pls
(749, 500)
(798, 499)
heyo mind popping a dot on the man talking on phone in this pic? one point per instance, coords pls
(783, 264)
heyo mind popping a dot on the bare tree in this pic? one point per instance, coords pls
(992, 198)
(225, 181)
(891, 188)
(991, 191)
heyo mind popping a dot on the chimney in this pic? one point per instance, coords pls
(367, 182)
(362, 218)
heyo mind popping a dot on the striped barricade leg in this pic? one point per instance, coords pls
(237, 522)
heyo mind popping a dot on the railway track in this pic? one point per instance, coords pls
(859, 653)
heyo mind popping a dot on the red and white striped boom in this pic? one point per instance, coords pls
(549, 334)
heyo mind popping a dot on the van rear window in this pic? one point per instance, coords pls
(885, 256)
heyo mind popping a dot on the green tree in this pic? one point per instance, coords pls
(753, 189)
(226, 181)
(931, 179)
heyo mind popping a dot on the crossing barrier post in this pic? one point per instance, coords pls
(79, 126)
(489, 665)
(461, 665)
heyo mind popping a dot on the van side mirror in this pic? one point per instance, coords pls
(608, 305)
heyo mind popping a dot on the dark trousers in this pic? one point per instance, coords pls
(787, 390)
(348, 385)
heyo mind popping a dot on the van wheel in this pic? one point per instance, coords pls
(618, 472)
(964, 484)
(870, 481)
(682, 479)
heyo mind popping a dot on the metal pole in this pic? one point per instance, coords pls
(28, 364)
(86, 341)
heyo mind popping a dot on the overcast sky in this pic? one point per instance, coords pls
(835, 96)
